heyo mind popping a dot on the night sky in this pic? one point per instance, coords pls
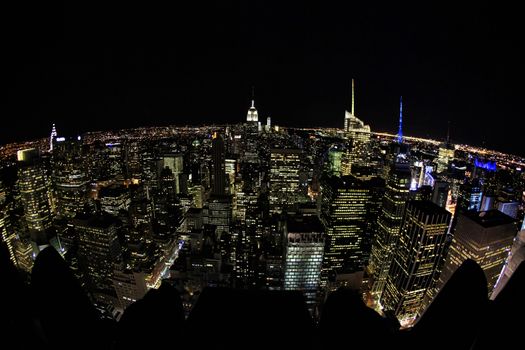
(91, 65)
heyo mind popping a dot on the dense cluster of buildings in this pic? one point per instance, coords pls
(264, 207)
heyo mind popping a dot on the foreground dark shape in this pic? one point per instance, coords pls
(56, 313)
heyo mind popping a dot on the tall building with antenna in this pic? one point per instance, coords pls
(252, 115)
(445, 154)
(355, 127)
(52, 137)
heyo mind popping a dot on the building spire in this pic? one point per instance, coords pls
(353, 98)
(400, 131)
(253, 96)
(53, 135)
(448, 132)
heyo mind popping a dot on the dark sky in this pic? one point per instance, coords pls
(91, 65)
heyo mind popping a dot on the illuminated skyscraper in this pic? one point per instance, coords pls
(304, 257)
(445, 155)
(344, 212)
(284, 177)
(355, 128)
(516, 256)
(469, 198)
(252, 115)
(389, 223)
(7, 234)
(219, 174)
(52, 138)
(114, 199)
(98, 251)
(416, 261)
(69, 176)
(175, 163)
(485, 237)
(36, 200)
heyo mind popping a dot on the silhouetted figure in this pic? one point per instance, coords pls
(453, 319)
(68, 318)
(345, 319)
(155, 321)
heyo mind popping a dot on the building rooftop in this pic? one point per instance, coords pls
(428, 207)
(490, 218)
(304, 224)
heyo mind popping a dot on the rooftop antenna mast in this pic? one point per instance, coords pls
(400, 132)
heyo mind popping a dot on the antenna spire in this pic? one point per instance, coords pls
(400, 132)
(253, 96)
(448, 132)
(353, 97)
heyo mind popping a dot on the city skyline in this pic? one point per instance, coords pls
(237, 174)
(447, 66)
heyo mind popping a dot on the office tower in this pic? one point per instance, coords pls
(389, 223)
(35, 197)
(219, 213)
(175, 162)
(70, 181)
(445, 155)
(354, 127)
(197, 194)
(268, 124)
(130, 286)
(52, 137)
(284, 178)
(7, 234)
(417, 259)
(377, 187)
(344, 210)
(485, 237)
(98, 252)
(252, 115)
(167, 183)
(219, 175)
(114, 199)
(469, 198)
(509, 208)
(487, 202)
(335, 154)
(304, 257)
(516, 256)
(440, 193)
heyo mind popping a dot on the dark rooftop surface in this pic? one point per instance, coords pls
(490, 218)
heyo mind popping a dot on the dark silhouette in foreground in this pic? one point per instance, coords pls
(55, 312)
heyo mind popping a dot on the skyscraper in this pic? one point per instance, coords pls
(344, 210)
(7, 234)
(389, 223)
(36, 199)
(69, 176)
(284, 177)
(415, 265)
(98, 251)
(252, 115)
(355, 128)
(304, 256)
(469, 198)
(219, 174)
(485, 237)
(52, 137)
